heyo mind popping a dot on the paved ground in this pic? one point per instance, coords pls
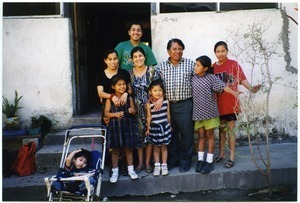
(221, 185)
(282, 193)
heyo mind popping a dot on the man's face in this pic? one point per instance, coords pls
(175, 52)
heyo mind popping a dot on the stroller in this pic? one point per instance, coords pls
(91, 180)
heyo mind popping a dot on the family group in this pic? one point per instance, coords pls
(155, 108)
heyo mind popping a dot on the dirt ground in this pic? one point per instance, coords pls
(281, 193)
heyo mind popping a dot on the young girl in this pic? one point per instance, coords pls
(158, 127)
(122, 129)
(78, 162)
(230, 72)
(205, 110)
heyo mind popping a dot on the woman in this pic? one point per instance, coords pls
(104, 81)
(141, 77)
(105, 91)
(230, 72)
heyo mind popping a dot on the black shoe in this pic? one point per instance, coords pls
(171, 166)
(207, 168)
(184, 169)
(200, 165)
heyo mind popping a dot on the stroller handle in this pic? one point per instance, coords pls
(91, 125)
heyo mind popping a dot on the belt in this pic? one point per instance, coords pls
(176, 102)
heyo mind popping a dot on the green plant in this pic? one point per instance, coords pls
(35, 123)
(8, 109)
(42, 121)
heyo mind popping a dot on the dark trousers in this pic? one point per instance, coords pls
(180, 149)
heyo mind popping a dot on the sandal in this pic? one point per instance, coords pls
(229, 163)
(139, 169)
(149, 169)
(218, 159)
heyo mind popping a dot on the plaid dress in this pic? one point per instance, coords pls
(123, 132)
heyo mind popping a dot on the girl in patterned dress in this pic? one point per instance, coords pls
(205, 109)
(158, 127)
(122, 131)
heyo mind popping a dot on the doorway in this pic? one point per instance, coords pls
(102, 26)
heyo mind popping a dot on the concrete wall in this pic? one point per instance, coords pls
(200, 31)
(37, 62)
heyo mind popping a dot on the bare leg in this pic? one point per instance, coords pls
(115, 157)
(129, 156)
(149, 149)
(201, 139)
(156, 154)
(231, 139)
(164, 154)
(222, 138)
(141, 157)
(211, 140)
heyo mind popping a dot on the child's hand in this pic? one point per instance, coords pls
(119, 114)
(131, 110)
(255, 88)
(147, 132)
(106, 120)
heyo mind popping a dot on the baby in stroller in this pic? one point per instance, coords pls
(77, 163)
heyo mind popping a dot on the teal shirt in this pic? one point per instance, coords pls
(124, 54)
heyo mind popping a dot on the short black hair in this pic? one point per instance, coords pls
(175, 40)
(85, 153)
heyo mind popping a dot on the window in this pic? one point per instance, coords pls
(198, 7)
(31, 9)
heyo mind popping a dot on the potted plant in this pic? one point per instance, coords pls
(41, 124)
(10, 110)
(12, 124)
(35, 126)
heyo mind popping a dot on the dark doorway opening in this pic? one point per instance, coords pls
(104, 25)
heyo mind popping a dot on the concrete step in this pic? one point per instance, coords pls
(244, 175)
(49, 156)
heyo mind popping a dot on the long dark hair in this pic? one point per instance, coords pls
(220, 43)
(206, 62)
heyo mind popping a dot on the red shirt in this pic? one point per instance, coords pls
(231, 73)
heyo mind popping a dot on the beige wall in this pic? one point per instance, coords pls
(200, 31)
(37, 63)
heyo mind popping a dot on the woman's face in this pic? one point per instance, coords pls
(135, 32)
(138, 59)
(112, 61)
(80, 162)
(199, 69)
(175, 52)
(221, 53)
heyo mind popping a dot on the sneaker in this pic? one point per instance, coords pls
(156, 171)
(133, 175)
(207, 168)
(200, 165)
(164, 170)
(114, 178)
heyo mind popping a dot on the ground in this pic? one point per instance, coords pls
(282, 193)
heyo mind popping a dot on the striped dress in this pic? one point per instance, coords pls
(160, 130)
(123, 132)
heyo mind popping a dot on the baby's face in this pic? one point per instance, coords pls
(80, 162)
